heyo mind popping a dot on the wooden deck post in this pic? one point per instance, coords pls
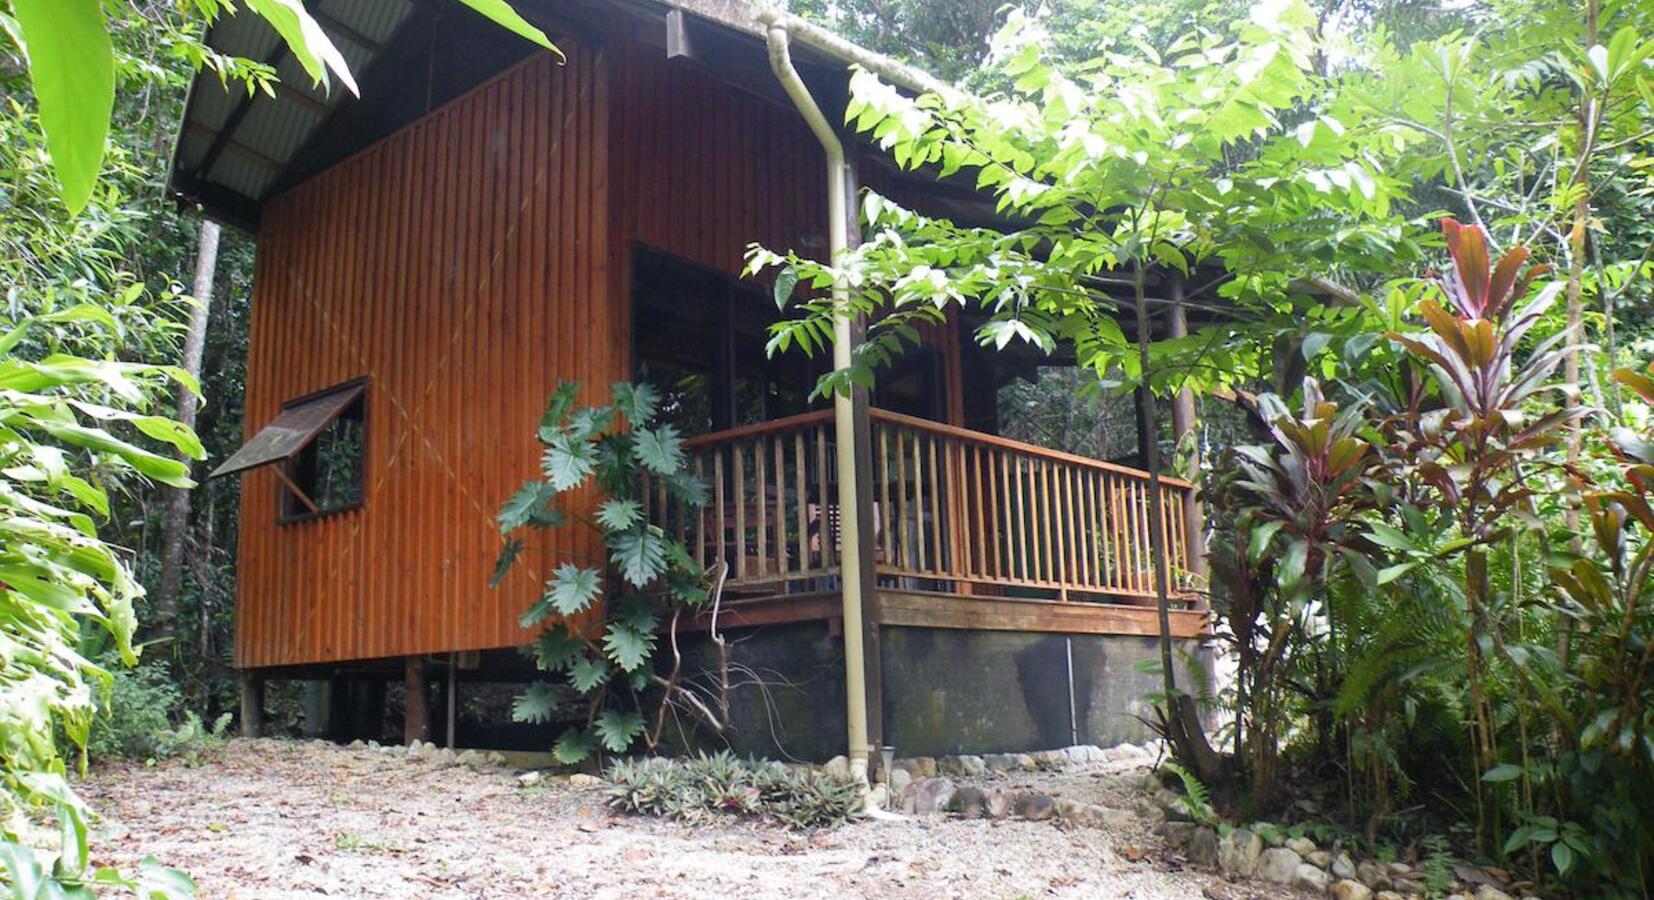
(416, 718)
(1184, 423)
(252, 703)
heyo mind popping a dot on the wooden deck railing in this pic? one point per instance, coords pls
(953, 510)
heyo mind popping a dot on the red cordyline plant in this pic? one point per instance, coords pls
(1492, 412)
(1301, 497)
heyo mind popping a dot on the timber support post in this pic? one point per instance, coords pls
(416, 716)
(252, 704)
(1185, 423)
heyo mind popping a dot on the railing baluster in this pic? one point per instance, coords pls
(738, 459)
(801, 498)
(825, 530)
(937, 525)
(979, 556)
(761, 502)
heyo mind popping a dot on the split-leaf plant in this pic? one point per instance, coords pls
(603, 624)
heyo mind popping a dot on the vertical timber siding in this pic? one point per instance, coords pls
(462, 265)
(465, 265)
(702, 169)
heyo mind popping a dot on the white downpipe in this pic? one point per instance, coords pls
(844, 429)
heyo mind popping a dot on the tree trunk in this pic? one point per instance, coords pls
(175, 519)
(1581, 218)
(1182, 720)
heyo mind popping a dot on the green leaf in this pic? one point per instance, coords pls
(573, 746)
(660, 450)
(785, 282)
(309, 44)
(571, 588)
(502, 14)
(619, 515)
(637, 402)
(588, 673)
(641, 555)
(567, 461)
(158, 882)
(72, 70)
(508, 557)
(537, 704)
(1502, 772)
(628, 648)
(1391, 573)
(556, 649)
(1562, 856)
(529, 504)
(1261, 536)
(617, 729)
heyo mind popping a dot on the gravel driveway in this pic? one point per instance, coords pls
(287, 819)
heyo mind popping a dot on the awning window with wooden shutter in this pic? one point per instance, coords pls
(317, 444)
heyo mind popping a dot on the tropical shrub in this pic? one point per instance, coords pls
(704, 789)
(606, 622)
(59, 446)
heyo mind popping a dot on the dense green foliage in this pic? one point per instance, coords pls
(1428, 562)
(704, 789)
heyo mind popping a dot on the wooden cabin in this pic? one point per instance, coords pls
(486, 221)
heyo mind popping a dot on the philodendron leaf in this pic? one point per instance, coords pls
(72, 71)
(535, 705)
(660, 450)
(637, 402)
(629, 648)
(556, 649)
(567, 461)
(571, 588)
(529, 504)
(641, 555)
(573, 746)
(619, 515)
(587, 673)
(618, 729)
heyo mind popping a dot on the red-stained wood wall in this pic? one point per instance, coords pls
(464, 265)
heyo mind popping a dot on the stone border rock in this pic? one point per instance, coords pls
(1262, 851)
(931, 786)
(425, 751)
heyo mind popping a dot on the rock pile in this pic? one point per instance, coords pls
(425, 751)
(1264, 852)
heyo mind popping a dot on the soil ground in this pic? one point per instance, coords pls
(288, 819)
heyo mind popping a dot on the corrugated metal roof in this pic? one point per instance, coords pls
(243, 143)
(233, 149)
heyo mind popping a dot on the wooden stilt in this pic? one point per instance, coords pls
(252, 704)
(416, 721)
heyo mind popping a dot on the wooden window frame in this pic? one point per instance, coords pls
(290, 499)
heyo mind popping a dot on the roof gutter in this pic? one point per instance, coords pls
(838, 204)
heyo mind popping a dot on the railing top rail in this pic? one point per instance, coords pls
(759, 429)
(789, 423)
(965, 434)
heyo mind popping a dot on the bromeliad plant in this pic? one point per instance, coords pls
(606, 622)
